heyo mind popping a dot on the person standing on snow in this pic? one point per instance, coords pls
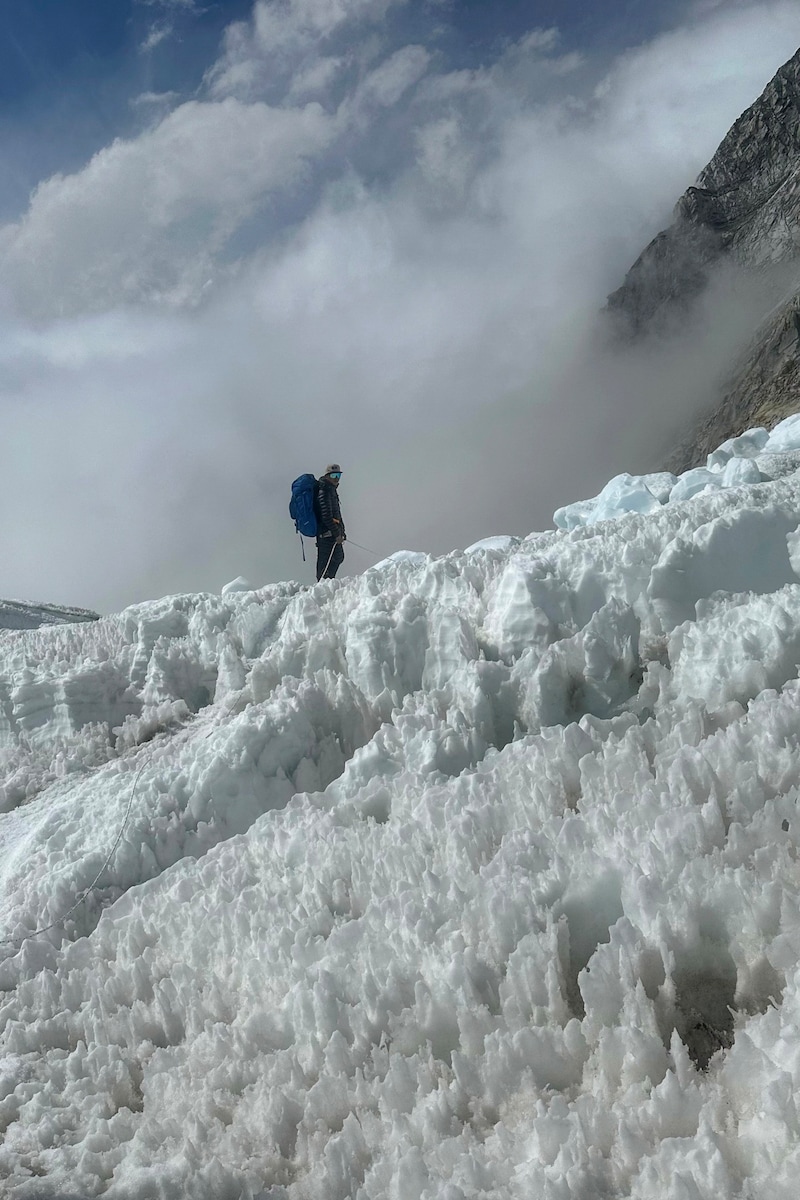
(330, 526)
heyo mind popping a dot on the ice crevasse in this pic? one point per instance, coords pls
(471, 878)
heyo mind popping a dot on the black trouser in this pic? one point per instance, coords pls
(330, 556)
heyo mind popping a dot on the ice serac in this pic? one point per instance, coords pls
(744, 210)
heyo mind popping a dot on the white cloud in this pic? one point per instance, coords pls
(314, 79)
(164, 29)
(395, 75)
(156, 35)
(424, 318)
(147, 218)
(279, 35)
(383, 87)
(679, 92)
(445, 156)
(155, 99)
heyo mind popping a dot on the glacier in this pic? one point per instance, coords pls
(470, 878)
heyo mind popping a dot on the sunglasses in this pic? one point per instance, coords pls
(336, 474)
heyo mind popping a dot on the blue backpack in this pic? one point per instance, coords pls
(301, 506)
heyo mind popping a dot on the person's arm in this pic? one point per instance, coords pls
(336, 514)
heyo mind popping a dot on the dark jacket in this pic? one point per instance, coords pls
(329, 514)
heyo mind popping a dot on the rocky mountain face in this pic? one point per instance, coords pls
(745, 210)
(23, 614)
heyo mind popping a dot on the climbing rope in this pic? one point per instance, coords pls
(350, 542)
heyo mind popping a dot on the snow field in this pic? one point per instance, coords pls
(470, 879)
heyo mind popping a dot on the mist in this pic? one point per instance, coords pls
(247, 291)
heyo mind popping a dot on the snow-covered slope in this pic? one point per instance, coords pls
(471, 878)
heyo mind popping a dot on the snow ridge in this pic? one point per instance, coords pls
(470, 878)
(751, 457)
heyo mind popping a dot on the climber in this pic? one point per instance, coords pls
(330, 527)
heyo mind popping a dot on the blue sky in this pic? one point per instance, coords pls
(238, 241)
(70, 71)
(49, 47)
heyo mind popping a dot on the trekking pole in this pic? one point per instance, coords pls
(328, 563)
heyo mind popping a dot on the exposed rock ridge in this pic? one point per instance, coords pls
(23, 614)
(751, 188)
(746, 203)
(764, 390)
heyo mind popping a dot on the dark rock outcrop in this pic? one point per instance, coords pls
(764, 389)
(743, 210)
(22, 614)
(745, 204)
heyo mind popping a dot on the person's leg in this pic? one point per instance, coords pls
(324, 547)
(336, 561)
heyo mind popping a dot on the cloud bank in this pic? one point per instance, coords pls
(345, 248)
